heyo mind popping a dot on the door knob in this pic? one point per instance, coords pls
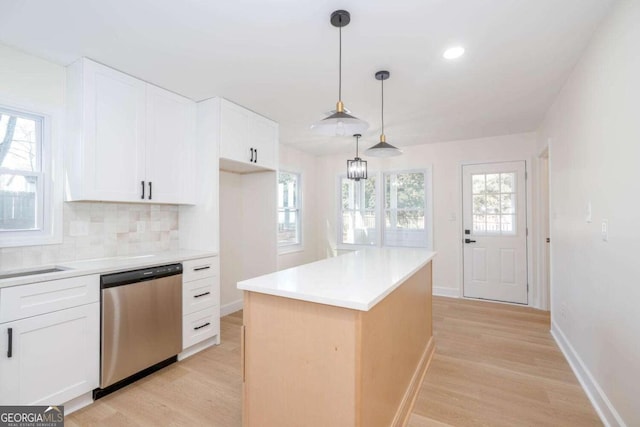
(469, 241)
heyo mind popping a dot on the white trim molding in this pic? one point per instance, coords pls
(446, 292)
(596, 395)
(232, 307)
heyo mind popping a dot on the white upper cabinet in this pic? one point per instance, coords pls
(169, 149)
(248, 141)
(128, 141)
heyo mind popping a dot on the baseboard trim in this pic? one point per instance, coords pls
(596, 395)
(446, 292)
(409, 399)
(78, 403)
(196, 348)
(232, 307)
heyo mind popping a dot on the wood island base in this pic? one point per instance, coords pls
(310, 364)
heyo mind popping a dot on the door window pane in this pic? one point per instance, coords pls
(494, 203)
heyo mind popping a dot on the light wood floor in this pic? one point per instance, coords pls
(494, 365)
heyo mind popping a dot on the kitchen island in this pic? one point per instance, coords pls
(344, 341)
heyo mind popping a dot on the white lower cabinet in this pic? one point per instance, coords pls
(200, 301)
(51, 358)
(199, 326)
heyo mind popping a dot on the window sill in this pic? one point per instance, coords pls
(290, 249)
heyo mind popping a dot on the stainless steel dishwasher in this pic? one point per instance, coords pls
(141, 329)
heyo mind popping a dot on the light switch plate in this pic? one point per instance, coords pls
(605, 230)
(588, 217)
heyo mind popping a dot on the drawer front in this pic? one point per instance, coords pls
(200, 325)
(200, 268)
(19, 302)
(200, 294)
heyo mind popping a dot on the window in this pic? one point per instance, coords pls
(26, 191)
(289, 213)
(494, 202)
(358, 211)
(396, 213)
(404, 209)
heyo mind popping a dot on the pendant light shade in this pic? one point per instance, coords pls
(357, 168)
(383, 148)
(340, 123)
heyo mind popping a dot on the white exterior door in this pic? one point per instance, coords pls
(495, 231)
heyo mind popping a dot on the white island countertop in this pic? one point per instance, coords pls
(358, 280)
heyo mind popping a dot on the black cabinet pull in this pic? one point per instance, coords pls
(251, 156)
(142, 184)
(201, 295)
(150, 190)
(469, 241)
(10, 350)
(202, 268)
(256, 160)
(200, 327)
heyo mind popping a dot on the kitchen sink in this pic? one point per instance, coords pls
(32, 272)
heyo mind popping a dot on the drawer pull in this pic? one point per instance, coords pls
(10, 350)
(201, 295)
(202, 326)
(202, 268)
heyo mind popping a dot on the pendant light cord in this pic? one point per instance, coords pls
(357, 138)
(382, 83)
(340, 67)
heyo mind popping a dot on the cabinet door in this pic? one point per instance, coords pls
(55, 357)
(170, 147)
(234, 132)
(263, 137)
(114, 134)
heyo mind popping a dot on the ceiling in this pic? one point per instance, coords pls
(279, 57)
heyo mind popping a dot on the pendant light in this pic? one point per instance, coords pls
(340, 123)
(357, 168)
(382, 148)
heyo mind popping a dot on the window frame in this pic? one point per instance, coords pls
(287, 248)
(340, 245)
(380, 208)
(428, 205)
(49, 178)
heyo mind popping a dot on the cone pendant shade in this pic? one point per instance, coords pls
(340, 123)
(383, 148)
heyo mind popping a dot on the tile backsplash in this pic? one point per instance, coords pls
(97, 230)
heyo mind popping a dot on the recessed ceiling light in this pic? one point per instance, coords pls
(453, 52)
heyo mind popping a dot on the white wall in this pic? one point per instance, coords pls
(594, 133)
(247, 232)
(445, 159)
(231, 220)
(292, 160)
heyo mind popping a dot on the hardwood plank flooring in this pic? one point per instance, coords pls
(494, 365)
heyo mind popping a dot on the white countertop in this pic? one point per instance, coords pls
(358, 280)
(102, 266)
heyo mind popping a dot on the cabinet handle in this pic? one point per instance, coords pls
(256, 159)
(10, 349)
(251, 156)
(202, 326)
(201, 295)
(142, 184)
(150, 190)
(202, 268)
